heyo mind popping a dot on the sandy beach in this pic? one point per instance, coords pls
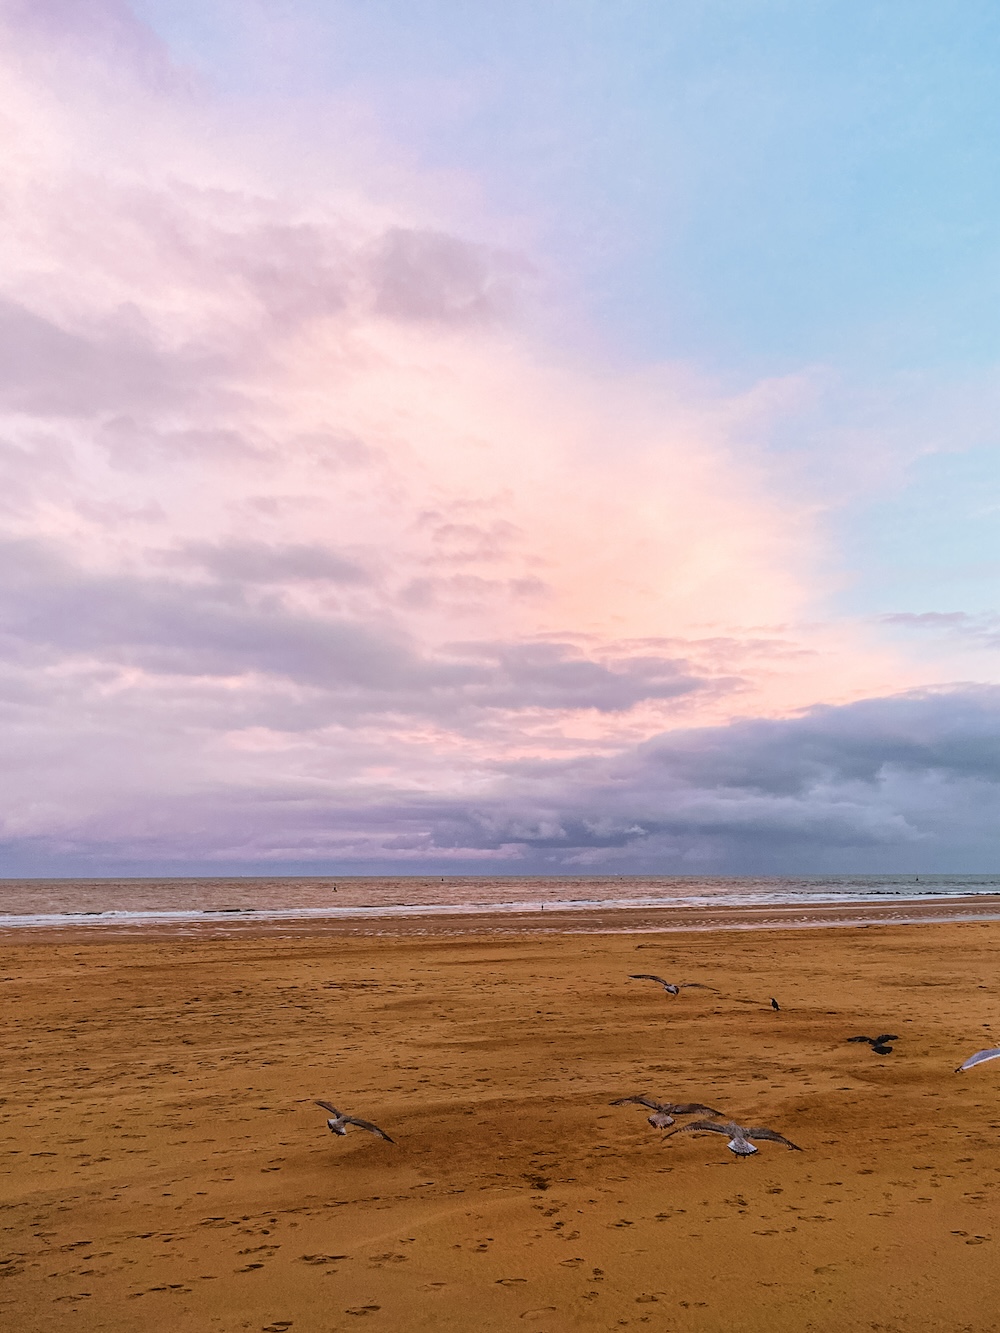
(164, 1166)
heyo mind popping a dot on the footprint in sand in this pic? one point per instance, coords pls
(363, 1309)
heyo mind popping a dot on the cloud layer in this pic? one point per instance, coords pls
(315, 551)
(906, 783)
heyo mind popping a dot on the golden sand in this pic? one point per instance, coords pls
(165, 1167)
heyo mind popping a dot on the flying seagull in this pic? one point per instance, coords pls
(339, 1123)
(668, 986)
(878, 1044)
(979, 1058)
(664, 1112)
(739, 1135)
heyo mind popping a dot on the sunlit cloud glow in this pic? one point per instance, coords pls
(320, 548)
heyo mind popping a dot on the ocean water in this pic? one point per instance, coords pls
(62, 902)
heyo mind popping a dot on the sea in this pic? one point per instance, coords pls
(52, 903)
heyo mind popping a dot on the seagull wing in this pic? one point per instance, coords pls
(772, 1136)
(640, 1101)
(647, 976)
(367, 1124)
(329, 1106)
(883, 1037)
(689, 1108)
(979, 1058)
(699, 1124)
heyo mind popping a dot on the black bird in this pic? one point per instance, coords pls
(774, 1003)
(878, 1044)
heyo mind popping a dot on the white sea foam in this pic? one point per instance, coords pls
(763, 894)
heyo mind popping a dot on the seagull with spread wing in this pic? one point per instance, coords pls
(338, 1124)
(669, 986)
(980, 1058)
(664, 1112)
(739, 1135)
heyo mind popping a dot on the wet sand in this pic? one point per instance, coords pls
(164, 1166)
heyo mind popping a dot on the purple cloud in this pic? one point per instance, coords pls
(311, 554)
(882, 785)
(428, 275)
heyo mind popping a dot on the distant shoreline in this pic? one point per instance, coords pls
(543, 919)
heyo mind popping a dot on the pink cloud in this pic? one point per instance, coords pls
(294, 488)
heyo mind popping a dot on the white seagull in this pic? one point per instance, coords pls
(668, 986)
(980, 1058)
(339, 1123)
(739, 1135)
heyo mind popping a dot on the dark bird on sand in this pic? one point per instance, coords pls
(980, 1058)
(774, 1003)
(670, 987)
(664, 1112)
(878, 1044)
(739, 1135)
(338, 1124)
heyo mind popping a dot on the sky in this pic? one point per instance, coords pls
(543, 438)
